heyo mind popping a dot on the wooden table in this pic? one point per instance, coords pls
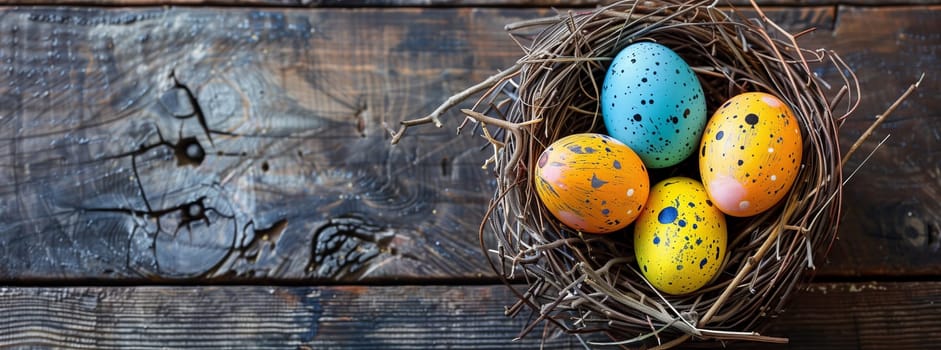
(222, 176)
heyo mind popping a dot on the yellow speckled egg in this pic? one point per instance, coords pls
(592, 182)
(680, 238)
(750, 153)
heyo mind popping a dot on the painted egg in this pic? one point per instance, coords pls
(750, 153)
(680, 238)
(653, 102)
(591, 182)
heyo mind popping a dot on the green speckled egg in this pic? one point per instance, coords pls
(680, 237)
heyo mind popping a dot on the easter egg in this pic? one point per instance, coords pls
(750, 153)
(680, 238)
(591, 182)
(653, 102)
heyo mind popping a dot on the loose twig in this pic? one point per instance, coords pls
(881, 118)
(516, 129)
(454, 100)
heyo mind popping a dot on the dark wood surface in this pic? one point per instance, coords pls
(293, 175)
(194, 146)
(447, 3)
(829, 316)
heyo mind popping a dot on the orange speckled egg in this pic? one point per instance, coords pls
(680, 238)
(750, 153)
(592, 182)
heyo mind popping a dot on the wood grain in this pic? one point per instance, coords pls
(261, 318)
(446, 3)
(861, 316)
(186, 144)
(892, 220)
(831, 316)
(180, 144)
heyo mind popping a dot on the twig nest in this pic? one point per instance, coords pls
(583, 283)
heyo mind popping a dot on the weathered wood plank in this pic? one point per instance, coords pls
(892, 221)
(175, 143)
(178, 143)
(449, 3)
(861, 316)
(830, 316)
(261, 317)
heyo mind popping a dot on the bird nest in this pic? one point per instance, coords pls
(585, 283)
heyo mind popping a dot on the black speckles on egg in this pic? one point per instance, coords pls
(751, 119)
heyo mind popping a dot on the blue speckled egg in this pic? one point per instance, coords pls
(653, 102)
